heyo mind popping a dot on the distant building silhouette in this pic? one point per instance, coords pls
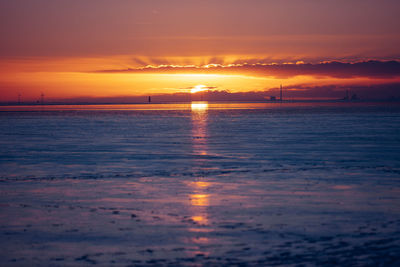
(149, 99)
(272, 98)
(347, 95)
(348, 98)
(280, 98)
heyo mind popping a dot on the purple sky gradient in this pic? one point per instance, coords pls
(306, 28)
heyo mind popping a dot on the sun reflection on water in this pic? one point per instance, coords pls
(201, 184)
(199, 106)
(200, 220)
(199, 200)
(199, 196)
(199, 127)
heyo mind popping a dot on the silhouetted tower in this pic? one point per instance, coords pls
(280, 98)
(19, 98)
(42, 98)
(347, 95)
(149, 100)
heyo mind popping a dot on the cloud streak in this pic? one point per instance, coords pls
(334, 69)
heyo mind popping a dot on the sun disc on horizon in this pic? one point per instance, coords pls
(198, 88)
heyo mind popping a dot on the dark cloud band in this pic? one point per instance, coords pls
(334, 69)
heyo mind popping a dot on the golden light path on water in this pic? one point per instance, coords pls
(199, 197)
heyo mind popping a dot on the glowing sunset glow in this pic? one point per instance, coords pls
(131, 50)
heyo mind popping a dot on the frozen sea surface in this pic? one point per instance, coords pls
(201, 184)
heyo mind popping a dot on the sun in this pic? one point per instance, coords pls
(198, 88)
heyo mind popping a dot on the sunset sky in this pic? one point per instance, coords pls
(116, 49)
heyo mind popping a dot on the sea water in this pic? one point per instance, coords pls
(200, 184)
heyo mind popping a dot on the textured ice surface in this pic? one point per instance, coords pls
(263, 184)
